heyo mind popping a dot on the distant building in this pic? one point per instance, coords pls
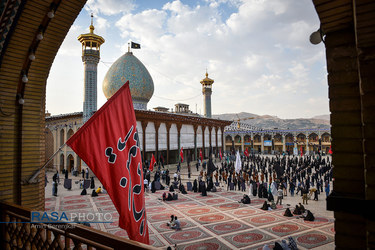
(161, 133)
(240, 137)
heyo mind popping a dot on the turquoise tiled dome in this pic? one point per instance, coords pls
(128, 67)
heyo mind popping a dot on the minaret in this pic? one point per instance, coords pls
(90, 58)
(207, 91)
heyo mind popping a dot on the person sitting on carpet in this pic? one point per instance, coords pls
(265, 206)
(309, 216)
(171, 221)
(182, 189)
(245, 199)
(278, 246)
(292, 244)
(99, 190)
(288, 213)
(171, 188)
(84, 192)
(297, 210)
(273, 205)
(169, 198)
(302, 208)
(176, 224)
(94, 194)
(164, 196)
(175, 196)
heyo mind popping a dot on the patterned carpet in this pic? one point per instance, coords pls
(216, 221)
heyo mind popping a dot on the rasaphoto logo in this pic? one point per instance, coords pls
(70, 217)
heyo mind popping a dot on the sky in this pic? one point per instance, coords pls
(257, 51)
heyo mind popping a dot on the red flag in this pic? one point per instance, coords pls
(109, 145)
(246, 153)
(152, 163)
(221, 156)
(201, 155)
(182, 154)
(301, 151)
(330, 150)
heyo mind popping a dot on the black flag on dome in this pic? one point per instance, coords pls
(135, 45)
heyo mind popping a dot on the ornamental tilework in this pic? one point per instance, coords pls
(128, 67)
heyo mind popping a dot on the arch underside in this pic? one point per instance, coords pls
(22, 139)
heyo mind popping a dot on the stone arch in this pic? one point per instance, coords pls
(22, 29)
(69, 134)
(344, 32)
(62, 162)
(257, 138)
(289, 138)
(228, 139)
(70, 163)
(237, 139)
(267, 137)
(49, 147)
(62, 137)
(326, 137)
(278, 137)
(313, 137)
(301, 137)
(247, 138)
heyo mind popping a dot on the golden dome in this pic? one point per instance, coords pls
(207, 81)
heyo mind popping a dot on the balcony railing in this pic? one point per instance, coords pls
(18, 233)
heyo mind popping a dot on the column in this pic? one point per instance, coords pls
(144, 125)
(179, 140)
(284, 145)
(157, 125)
(242, 143)
(352, 228)
(262, 143)
(209, 139)
(55, 146)
(195, 142)
(65, 148)
(319, 143)
(222, 139)
(252, 142)
(168, 126)
(76, 161)
(203, 149)
(307, 145)
(216, 142)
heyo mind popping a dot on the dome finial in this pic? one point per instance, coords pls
(206, 73)
(92, 25)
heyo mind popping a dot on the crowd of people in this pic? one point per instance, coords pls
(265, 176)
(270, 177)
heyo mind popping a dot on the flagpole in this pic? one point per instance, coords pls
(45, 164)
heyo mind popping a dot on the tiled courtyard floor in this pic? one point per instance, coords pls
(217, 221)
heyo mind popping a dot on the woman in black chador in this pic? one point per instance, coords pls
(92, 185)
(195, 186)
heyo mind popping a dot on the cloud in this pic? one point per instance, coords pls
(257, 51)
(110, 7)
